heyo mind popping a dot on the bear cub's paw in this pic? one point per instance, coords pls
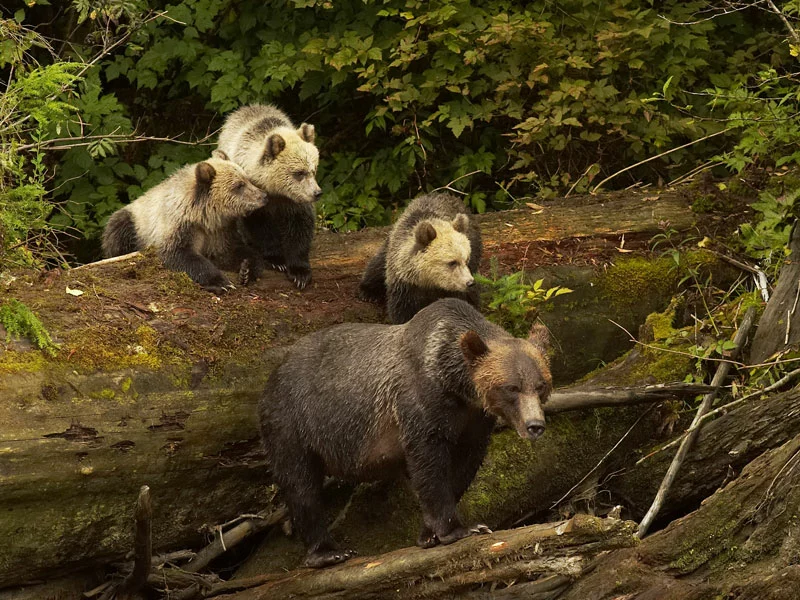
(318, 560)
(218, 284)
(300, 276)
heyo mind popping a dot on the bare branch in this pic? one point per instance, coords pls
(705, 405)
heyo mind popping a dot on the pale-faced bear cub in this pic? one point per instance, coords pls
(432, 252)
(282, 160)
(366, 401)
(192, 219)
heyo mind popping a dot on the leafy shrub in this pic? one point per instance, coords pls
(511, 302)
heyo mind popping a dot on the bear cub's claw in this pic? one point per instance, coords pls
(318, 560)
(218, 286)
(301, 278)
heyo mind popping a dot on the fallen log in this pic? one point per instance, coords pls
(156, 381)
(740, 544)
(529, 553)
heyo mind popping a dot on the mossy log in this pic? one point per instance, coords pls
(156, 381)
(537, 552)
(742, 543)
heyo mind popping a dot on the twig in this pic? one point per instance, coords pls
(107, 261)
(779, 12)
(449, 187)
(670, 350)
(647, 160)
(602, 460)
(230, 538)
(142, 544)
(722, 409)
(686, 444)
(118, 138)
(578, 180)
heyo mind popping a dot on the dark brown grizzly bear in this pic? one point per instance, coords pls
(365, 401)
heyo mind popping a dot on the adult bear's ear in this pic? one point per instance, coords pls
(473, 347)
(539, 337)
(307, 133)
(217, 153)
(275, 145)
(424, 233)
(461, 223)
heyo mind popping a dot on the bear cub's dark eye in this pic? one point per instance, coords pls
(452, 264)
(512, 389)
(300, 175)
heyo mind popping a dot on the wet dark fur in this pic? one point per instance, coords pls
(282, 232)
(119, 235)
(360, 402)
(404, 300)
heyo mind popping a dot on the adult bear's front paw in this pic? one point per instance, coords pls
(318, 560)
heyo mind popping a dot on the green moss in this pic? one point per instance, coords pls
(19, 320)
(704, 203)
(104, 394)
(12, 361)
(125, 385)
(625, 282)
(101, 347)
(503, 475)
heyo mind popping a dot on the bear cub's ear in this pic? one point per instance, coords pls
(306, 133)
(461, 223)
(275, 145)
(205, 173)
(473, 347)
(424, 233)
(217, 153)
(540, 338)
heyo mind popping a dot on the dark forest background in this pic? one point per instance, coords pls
(506, 102)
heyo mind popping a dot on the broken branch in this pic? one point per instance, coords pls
(688, 441)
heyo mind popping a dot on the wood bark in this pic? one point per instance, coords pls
(156, 383)
(779, 327)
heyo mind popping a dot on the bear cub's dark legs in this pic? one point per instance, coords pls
(282, 233)
(373, 283)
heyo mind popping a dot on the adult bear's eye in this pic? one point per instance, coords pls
(512, 389)
(300, 175)
(452, 264)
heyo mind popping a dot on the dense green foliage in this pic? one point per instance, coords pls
(502, 100)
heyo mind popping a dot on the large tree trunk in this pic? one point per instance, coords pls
(156, 383)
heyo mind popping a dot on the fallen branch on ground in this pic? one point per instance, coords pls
(529, 553)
